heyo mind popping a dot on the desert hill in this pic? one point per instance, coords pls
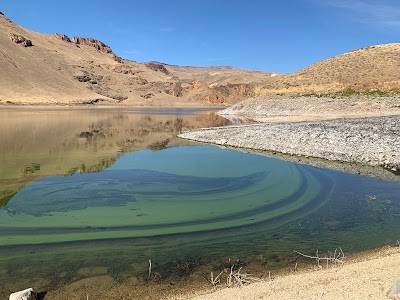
(56, 69)
(370, 68)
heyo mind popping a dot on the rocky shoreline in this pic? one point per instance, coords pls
(373, 141)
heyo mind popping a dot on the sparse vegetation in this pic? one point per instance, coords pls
(349, 92)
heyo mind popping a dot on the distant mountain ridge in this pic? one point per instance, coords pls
(57, 69)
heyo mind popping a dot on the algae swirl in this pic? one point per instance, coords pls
(203, 189)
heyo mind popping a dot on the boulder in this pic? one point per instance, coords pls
(28, 294)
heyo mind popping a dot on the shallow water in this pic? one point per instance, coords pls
(180, 207)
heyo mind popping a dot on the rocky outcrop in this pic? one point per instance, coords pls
(124, 69)
(118, 58)
(155, 66)
(214, 98)
(235, 91)
(170, 88)
(178, 90)
(98, 45)
(147, 96)
(88, 77)
(62, 37)
(19, 39)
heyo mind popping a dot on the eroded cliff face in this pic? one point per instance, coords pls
(62, 37)
(98, 45)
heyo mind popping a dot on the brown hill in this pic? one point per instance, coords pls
(56, 69)
(370, 68)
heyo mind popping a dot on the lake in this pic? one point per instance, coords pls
(88, 193)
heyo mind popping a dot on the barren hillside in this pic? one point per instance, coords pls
(56, 69)
(370, 68)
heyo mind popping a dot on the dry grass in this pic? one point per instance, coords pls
(374, 67)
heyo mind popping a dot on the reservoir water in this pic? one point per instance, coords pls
(85, 193)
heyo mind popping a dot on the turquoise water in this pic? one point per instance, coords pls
(203, 202)
(178, 190)
(189, 205)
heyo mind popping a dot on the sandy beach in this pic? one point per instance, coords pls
(367, 277)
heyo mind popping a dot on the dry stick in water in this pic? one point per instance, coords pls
(336, 258)
(149, 269)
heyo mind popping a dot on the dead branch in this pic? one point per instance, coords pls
(234, 279)
(214, 281)
(337, 257)
(237, 279)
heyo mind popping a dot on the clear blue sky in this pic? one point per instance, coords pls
(277, 36)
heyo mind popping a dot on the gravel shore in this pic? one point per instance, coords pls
(370, 140)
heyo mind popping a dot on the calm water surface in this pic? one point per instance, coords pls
(110, 190)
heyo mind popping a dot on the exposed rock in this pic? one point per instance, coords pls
(118, 58)
(124, 69)
(62, 37)
(140, 81)
(28, 294)
(1, 13)
(157, 67)
(82, 78)
(198, 85)
(100, 46)
(214, 98)
(107, 92)
(94, 101)
(236, 91)
(19, 39)
(87, 77)
(147, 96)
(178, 89)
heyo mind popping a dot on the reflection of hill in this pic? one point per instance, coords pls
(4, 201)
(36, 144)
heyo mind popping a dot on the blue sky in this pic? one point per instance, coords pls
(277, 36)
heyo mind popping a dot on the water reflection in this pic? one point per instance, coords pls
(38, 143)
